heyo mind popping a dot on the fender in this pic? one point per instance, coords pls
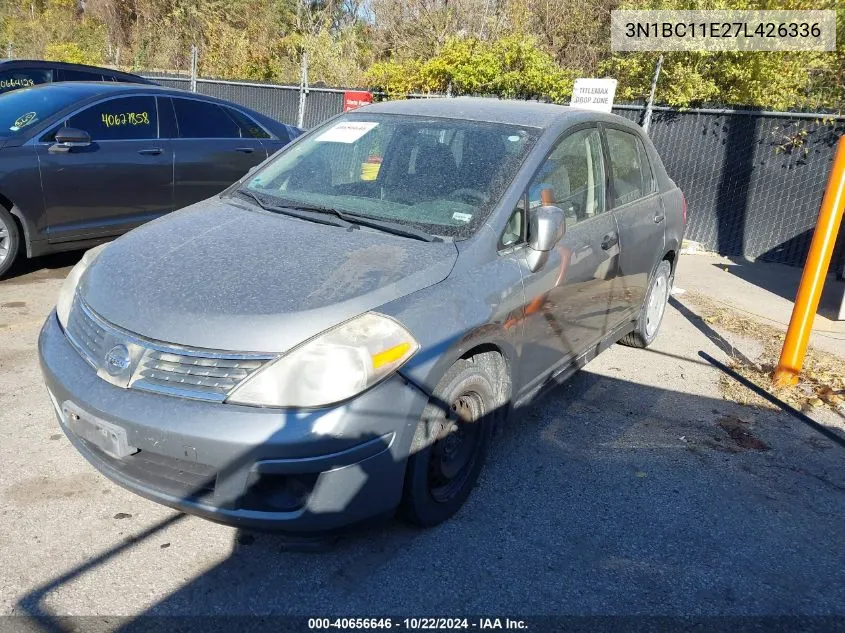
(469, 310)
(27, 230)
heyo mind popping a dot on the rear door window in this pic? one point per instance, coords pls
(24, 78)
(125, 118)
(632, 175)
(201, 119)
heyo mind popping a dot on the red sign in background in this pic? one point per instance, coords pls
(355, 99)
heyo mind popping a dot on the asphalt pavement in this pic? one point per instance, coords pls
(634, 489)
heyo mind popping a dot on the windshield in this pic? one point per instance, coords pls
(20, 110)
(442, 175)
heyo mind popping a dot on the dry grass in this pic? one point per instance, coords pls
(822, 383)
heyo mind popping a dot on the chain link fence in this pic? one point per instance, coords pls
(753, 179)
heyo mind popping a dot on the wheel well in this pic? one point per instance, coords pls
(7, 204)
(493, 360)
(671, 257)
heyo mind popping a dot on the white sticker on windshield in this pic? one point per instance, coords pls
(462, 217)
(346, 132)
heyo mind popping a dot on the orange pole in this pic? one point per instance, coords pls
(815, 271)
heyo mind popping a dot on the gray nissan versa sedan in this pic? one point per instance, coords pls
(337, 334)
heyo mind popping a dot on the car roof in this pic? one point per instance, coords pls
(84, 91)
(40, 63)
(510, 111)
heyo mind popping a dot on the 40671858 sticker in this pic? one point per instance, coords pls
(126, 118)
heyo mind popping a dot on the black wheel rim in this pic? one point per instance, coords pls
(455, 451)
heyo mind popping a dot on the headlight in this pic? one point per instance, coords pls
(68, 290)
(332, 367)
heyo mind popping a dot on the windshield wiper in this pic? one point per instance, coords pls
(294, 211)
(364, 220)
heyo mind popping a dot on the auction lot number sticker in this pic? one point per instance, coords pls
(417, 624)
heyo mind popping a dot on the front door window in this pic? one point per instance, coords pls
(123, 119)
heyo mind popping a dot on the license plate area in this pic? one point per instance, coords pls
(109, 438)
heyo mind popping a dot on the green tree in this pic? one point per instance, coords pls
(512, 67)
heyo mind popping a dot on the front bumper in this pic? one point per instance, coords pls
(298, 471)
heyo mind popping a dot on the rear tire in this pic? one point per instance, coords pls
(10, 240)
(654, 307)
(448, 451)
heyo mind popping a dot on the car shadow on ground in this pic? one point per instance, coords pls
(604, 497)
(779, 279)
(55, 266)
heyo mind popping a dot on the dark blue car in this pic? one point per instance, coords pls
(81, 163)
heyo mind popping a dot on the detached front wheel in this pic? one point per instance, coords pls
(450, 444)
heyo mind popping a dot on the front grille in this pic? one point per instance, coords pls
(214, 377)
(87, 336)
(158, 367)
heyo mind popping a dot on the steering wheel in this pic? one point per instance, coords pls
(470, 196)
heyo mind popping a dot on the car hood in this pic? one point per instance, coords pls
(222, 276)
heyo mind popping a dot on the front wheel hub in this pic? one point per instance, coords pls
(453, 453)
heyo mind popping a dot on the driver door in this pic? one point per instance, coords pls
(571, 301)
(122, 179)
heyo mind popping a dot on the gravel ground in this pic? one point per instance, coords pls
(633, 489)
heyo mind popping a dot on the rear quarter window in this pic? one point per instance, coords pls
(249, 128)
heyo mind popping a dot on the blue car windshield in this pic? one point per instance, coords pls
(443, 176)
(20, 110)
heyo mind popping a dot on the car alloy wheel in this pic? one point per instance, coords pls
(652, 311)
(656, 304)
(9, 240)
(5, 241)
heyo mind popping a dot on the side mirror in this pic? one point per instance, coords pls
(68, 138)
(546, 227)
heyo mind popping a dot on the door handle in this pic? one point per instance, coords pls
(659, 218)
(245, 150)
(152, 151)
(609, 241)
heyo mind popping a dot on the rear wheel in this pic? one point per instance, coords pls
(9, 241)
(651, 314)
(450, 444)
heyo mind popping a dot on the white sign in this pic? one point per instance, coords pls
(347, 132)
(594, 94)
